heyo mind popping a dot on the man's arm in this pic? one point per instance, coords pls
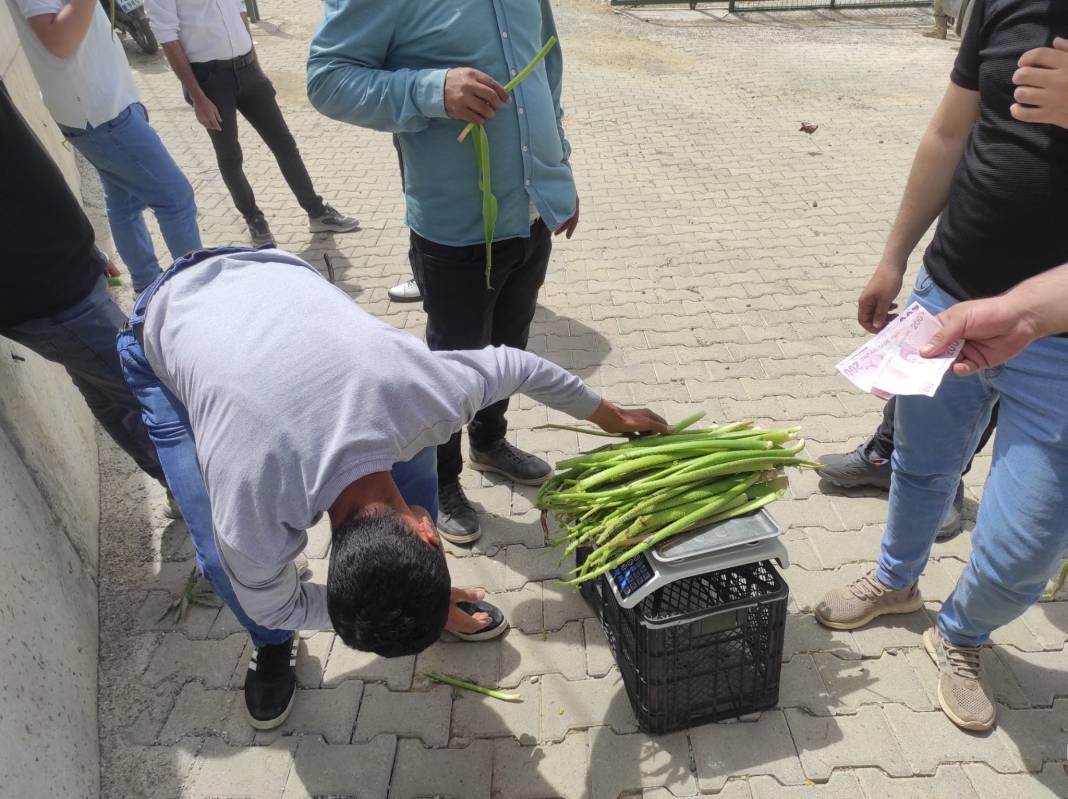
(999, 328)
(166, 25)
(554, 70)
(504, 371)
(926, 194)
(244, 18)
(348, 81)
(63, 32)
(275, 598)
(207, 113)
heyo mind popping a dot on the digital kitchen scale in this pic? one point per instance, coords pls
(723, 545)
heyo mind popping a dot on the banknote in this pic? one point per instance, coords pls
(890, 363)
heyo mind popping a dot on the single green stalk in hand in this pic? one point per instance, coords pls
(482, 155)
(470, 686)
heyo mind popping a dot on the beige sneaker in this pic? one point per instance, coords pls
(863, 600)
(962, 692)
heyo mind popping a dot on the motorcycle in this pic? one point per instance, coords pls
(128, 16)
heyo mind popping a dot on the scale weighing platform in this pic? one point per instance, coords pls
(724, 545)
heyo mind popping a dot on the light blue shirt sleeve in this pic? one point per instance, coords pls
(554, 70)
(347, 75)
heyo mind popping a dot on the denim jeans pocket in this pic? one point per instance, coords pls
(923, 285)
(122, 120)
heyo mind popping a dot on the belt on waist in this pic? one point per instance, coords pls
(225, 63)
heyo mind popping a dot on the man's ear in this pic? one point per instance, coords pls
(425, 528)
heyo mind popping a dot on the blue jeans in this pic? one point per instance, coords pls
(137, 173)
(81, 339)
(168, 426)
(1022, 529)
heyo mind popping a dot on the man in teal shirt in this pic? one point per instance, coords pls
(422, 69)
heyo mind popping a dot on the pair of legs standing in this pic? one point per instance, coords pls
(462, 313)
(241, 86)
(137, 173)
(82, 340)
(1020, 535)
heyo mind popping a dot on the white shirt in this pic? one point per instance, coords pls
(90, 87)
(208, 30)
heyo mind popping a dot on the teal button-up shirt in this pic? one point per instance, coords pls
(381, 64)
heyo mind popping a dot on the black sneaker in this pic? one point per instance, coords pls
(457, 520)
(953, 525)
(332, 221)
(860, 468)
(271, 684)
(260, 231)
(518, 466)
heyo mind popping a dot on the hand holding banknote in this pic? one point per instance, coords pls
(893, 362)
(994, 331)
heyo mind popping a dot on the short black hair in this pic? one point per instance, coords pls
(387, 590)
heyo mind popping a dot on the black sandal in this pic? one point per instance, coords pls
(498, 624)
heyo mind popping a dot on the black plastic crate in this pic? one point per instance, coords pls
(701, 649)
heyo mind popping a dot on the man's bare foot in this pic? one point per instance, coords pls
(460, 621)
(471, 618)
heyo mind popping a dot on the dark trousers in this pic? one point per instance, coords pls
(81, 339)
(246, 89)
(462, 314)
(882, 443)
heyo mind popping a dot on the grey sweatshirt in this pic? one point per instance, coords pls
(293, 392)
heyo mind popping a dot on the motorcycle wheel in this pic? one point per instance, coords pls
(141, 33)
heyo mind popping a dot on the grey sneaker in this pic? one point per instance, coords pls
(457, 520)
(953, 525)
(856, 469)
(260, 231)
(864, 599)
(408, 291)
(332, 221)
(518, 466)
(962, 692)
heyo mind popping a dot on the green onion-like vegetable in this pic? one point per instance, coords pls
(623, 498)
(470, 686)
(482, 156)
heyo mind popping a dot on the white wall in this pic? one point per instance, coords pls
(49, 514)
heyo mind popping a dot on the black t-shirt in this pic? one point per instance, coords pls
(1007, 215)
(48, 261)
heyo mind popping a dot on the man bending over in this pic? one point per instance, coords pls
(272, 399)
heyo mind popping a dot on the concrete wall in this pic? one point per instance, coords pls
(49, 514)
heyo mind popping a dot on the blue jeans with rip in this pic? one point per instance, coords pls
(168, 426)
(1021, 532)
(138, 173)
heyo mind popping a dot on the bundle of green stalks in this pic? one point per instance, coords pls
(623, 499)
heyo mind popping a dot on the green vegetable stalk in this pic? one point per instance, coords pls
(470, 686)
(621, 499)
(482, 155)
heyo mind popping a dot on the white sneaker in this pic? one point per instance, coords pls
(408, 291)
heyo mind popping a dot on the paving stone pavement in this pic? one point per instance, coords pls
(716, 267)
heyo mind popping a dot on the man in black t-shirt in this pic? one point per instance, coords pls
(999, 188)
(53, 294)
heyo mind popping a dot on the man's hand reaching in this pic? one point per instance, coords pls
(472, 96)
(994, 330)
(613, 419)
